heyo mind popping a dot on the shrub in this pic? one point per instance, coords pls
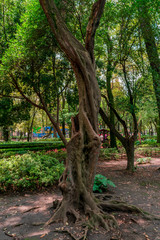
(60, 154)
(148, 152)
(101, 183)
(29, 171)
(147, 142)
(143, 160)
(109, 153)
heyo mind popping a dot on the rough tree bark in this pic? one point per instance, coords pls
(77, 181)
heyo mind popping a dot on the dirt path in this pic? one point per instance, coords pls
(21, 215)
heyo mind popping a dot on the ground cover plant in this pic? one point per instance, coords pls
(101, 183)
(143, 160)
(109, 153)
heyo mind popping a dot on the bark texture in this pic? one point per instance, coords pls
(77, 181)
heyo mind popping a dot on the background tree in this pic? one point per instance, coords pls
(11, 113)
(120, 62)
(151, 44)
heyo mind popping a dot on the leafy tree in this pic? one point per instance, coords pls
(152, 50)
(35, 68)
(120, 63)
(11, 113)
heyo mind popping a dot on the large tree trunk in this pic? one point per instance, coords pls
(83, 148)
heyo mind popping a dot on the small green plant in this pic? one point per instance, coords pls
(101, 183)
(109, 153)
(143, 160)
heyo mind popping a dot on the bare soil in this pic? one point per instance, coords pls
(22, 215)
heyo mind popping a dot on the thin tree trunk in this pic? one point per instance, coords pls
(113, 143)
(6, 134)
(29, 136)
(127, 141)
(110, 67)
(63, 121)
(129, 147)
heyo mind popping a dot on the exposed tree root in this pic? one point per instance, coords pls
(96, 217)
(81, 237)
(13, 235)
(92, 216)
(30, 209)
(115, 205)
(38, 223)
(102, 197)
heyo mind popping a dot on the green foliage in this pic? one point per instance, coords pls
(148, 151)
(109, 153)
(11, 112)
(147, 142)
(143, 160)
(101, 183)
(60, 154)
(29, 171)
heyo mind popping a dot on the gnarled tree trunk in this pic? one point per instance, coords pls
(83, 148)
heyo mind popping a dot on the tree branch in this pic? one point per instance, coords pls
(131, 101)
(92, 26)
(52, 120)
(117, 116)
(111, 126)
(23, 95)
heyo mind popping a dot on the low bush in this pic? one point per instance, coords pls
(147, 142)
(144, 137)
(101, 183)
(148, 151)
(143, 160)
(29, 171)
(109, 153)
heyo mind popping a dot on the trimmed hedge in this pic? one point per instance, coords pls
(34, 146)
(28, 144)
